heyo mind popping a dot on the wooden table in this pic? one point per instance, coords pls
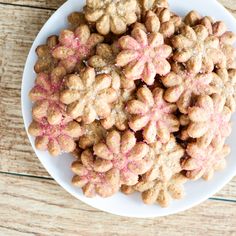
(32, 203)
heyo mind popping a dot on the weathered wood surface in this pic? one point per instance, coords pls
(48, 4)
(32, 206)
(37, 206)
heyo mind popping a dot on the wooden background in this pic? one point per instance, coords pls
(31, 203)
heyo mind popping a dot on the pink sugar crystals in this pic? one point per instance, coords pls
(45, 95)
(143, 56)
(56, 138)
(88, 96)
(209, 121)
(140, 97)
(120, 154)
(152, 114)
(75, 46)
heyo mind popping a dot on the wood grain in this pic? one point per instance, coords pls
(230, 5)
(49, 4)
(41, 207)
(33, 205)
(15, 41)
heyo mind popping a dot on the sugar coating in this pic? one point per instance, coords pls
(45, 95)
(159, 192)
(164, 21)
(88, 96)
(143, 56)
(92, 134)
(112, 16)
(224, 83)
(45, 62)
(116, 161)
(76, 19)
(119, 116)
(209, 121)
(202, 162)
(161, 21)
(152, 114)
(167, 160)
(75, 46)
(198, 50)
(230, 54)
(145, 107)
(104, 62)
(216, 29)
(154, 4)
(183, 86)
(55, 138)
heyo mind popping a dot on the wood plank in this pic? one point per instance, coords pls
(52, 4)
(40, 207)
(15, 42)
(15, 151)
(229, 4)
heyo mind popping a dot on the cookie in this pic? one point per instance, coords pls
(88, 96)
(143, 56)
(112, 16)
(120, 159)
(152, 114)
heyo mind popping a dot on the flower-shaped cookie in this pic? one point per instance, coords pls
(182, 86)
(224, 82)
(46, 62)
(167, 21)
(170, 22)
(55, 138)
(75, 46)
(119, 116)
(45, 94)
(159, 192)
(76, 19)
(152, 114)
(230, 54)
(92, 134)
(103, 183)
(154, 4)
(119, 154)
(202, 162)
(209, 121)
(143, 56)
(162, 21)
(166, 162)
(193, 18)
(104, 62)
(104, 57)
(217, 29)
(112, 16)
(88, 96)
(197, 50)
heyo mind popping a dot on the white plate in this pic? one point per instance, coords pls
(59, 168)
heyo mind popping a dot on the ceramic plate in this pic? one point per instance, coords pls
(59, 168)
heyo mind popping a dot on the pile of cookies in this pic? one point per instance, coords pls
(141, 97)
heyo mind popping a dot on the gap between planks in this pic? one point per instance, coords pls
(16, 152)
(51, 179)
(28, 6)
(33, 207)
(40, 4)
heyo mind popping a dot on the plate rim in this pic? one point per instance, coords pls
(188, 206)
